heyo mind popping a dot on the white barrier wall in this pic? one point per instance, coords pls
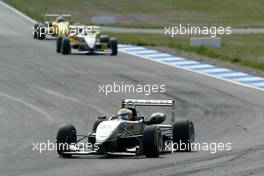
(103, 19)
(206, 41)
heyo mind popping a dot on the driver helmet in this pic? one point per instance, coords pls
(60, 19)
(125, 114)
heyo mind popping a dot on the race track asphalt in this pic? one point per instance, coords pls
(40, 90)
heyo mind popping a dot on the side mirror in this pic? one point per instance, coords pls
(156, 118)
(101, 117)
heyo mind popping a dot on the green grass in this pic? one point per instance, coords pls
(241, 49)
(153, 13)
(245, 50)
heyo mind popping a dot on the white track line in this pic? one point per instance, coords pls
(215, 70)
(172, 58)
(159, 55)
(201, 66)
(250, 78)
(194, 71)
(57, 94)
(29, 105)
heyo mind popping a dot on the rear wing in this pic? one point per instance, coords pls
(143, 102)
(47, 16)
(57, 15)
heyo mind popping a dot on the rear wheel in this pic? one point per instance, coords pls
(66, 135)
(66, 48)
(41, 32)
(59, 41)
(114, 47)
(183, 135)
(152, 143)
(35, 33)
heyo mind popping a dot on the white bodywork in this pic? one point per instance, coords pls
(106, 130)
(90, 39)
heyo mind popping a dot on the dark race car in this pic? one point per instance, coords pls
(128, 132)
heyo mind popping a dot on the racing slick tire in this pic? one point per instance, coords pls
(104, 39)
(152, 143)
(35, 33)
(41, 32)
(114, 47)
(58, 44)
(66, 135)
(183, 135)
(66, 47)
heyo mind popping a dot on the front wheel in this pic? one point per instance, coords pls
(35, 31)
(152, 143)
(58, 44)
(66, 47)
(66, 135)
(41, 32)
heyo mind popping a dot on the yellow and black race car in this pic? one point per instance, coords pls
(54, 25)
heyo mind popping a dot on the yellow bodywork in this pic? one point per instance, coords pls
(60, 28)
(73, 39)
(104, 45)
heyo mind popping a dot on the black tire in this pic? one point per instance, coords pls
(104, 39)
(66, 135)
(152, 143)
(96, 123)
(35, 29)
(114, 47)
(66, 47)
(41, 32)
(183, 135)
(58, 44)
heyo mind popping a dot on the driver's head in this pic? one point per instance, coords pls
(60, 19)
(125, 114)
